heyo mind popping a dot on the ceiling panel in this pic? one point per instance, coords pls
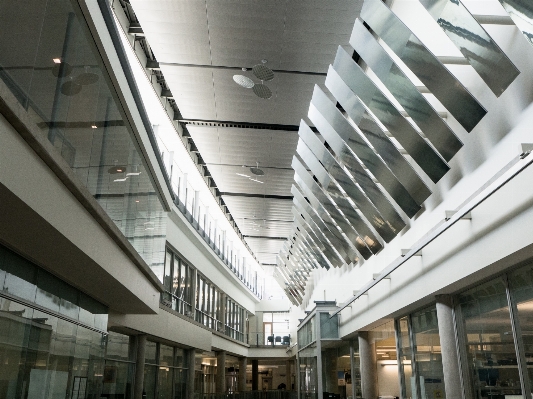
(266, 245)
(177, 30)
(235, 146)
(289, 103)
(274, 182)
(259, 208)
(243, 33)
(265, 228)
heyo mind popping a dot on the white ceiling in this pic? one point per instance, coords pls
(299, 40)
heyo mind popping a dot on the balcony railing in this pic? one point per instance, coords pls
(272, 394)
(274, 339)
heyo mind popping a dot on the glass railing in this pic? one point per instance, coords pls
(207, 320)
(207, 223)
(271, 394)
(175, 303)
(274, 339)
(235, 334)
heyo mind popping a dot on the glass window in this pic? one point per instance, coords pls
(404, 357)
(149, 384)
(166, 355)
(20, 279)
(150, 354)
(521, 287)
(167, 276)
(119, 347)
(428, 356)
(180, 387)
(180, 360)
(490, 349)
(329, 326)
(118, 380)
(164, 382)
(308, 373)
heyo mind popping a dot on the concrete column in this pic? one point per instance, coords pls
(220, 381)
(191, 360)
(255, 375)
(288, 380)
(367, 356)
(450, 359)
(139, 367)
(241, 386)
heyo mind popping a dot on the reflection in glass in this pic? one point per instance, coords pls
(308, 373)
(51, 67)
(427, 350)
(404, 358)
(521, 287)
(492, 360)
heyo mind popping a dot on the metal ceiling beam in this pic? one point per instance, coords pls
(238, 68)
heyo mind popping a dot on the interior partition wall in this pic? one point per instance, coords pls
(52, 336)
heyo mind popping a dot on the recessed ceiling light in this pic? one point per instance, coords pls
(94, 127)
(121, 180)
(57, 60)
(116, 169)
(240, 174)
(258, 181)
(137, 201)
(133, 174)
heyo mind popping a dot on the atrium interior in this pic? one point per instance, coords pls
(233, 199)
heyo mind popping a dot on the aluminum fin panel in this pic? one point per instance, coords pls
(322, 220)
(305, 180)
(365, 206)
(350, 82)
(485, 56)
(320, 242)
(431, 72)
(413, 102)
(335, 168)
(521, 11)
(330, 122)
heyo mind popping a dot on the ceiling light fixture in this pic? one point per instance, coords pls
(94, 127)
(258, 181)
(116, 169)
(57, 60)
(256, 171)
(120, 180)
(240, 174)
(261, 72)
(244, 81)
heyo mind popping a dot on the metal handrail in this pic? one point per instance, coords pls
(439, 230)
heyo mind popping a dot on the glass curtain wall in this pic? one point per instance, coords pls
(52, 336)
(307, 361)
(488, 338)
(178, 282)
(119, 367)
(49, 61)
(276, 329)
(207, 303)
(205, 369)
(165, 372)
(356, 372)
(384, 342)
(235, 320)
